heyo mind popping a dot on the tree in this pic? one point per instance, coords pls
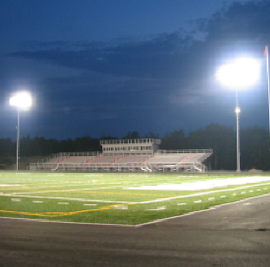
(254, 149)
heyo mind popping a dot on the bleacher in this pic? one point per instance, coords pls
(139, 155)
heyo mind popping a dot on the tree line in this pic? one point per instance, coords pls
(222, 139)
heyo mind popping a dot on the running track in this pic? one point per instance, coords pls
(232, 235)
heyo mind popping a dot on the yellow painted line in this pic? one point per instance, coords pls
(60, 214)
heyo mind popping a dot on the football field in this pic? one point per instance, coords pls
(121, 198)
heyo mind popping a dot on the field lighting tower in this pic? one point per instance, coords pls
(23, 101)
(242, 72)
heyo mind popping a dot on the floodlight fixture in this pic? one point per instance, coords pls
(23, 101)
(241, 72)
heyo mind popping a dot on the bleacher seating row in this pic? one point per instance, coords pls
(172, 162)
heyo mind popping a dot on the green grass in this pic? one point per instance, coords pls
(106, 198)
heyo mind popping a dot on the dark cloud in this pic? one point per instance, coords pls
(247, 22)
(156, 82)
(156, 57)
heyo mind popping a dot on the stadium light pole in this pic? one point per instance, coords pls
(242, 72)
(23, 101)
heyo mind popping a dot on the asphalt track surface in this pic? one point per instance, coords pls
(233, 235)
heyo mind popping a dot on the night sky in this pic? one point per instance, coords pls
(107, 67)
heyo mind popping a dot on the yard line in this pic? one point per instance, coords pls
(143, 202)
(65, 190)
(121, 207)
(157, 209)
(16, 199)
(71, 199)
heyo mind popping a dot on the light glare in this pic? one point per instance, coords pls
(21, 100)
(240, 73)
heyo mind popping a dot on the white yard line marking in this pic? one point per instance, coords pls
(211, 198)
(62, 203)
(65, 190)
(16, 199)
(157, 209)
(181, 204)
(197, 201)
(37, 201)
(90, 204)
(243, 193)
(8, 185)
(121, 207)
(223, 196)
(71, 199)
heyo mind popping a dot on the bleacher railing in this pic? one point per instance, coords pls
(70, 154)
(208, 151)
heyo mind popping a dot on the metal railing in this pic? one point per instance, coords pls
(207, 151)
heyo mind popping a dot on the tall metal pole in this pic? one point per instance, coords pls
(18, 140)
(237, 111)
(268, 86)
